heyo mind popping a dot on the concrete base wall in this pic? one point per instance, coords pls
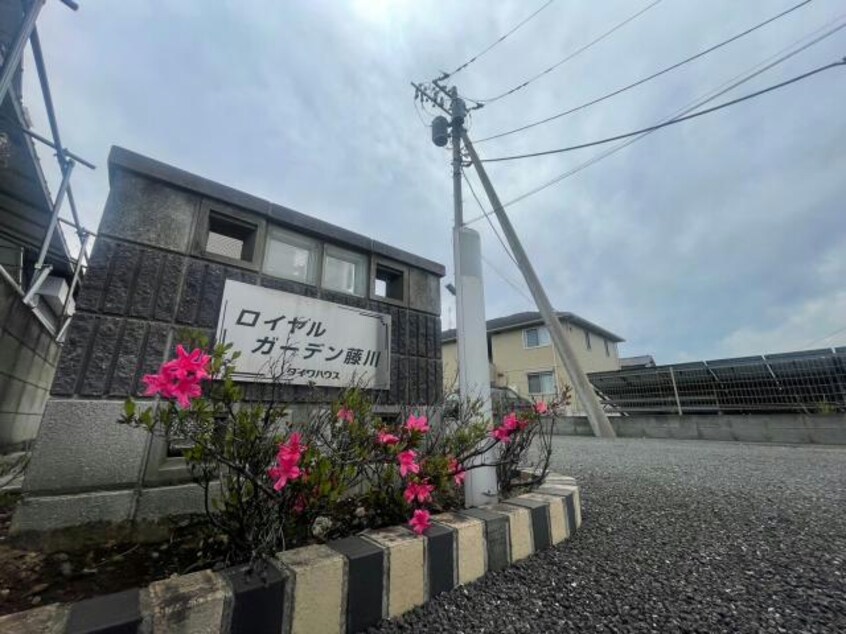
(776, 428)
(117, 474)
(28, 356)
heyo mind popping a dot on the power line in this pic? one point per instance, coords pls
(508, 281)
(658, 126)
(501, 39)
(578, 51)
(490, 222)
(639, 82)
(420, 115)
(505, 248)
(731, 84)
(828, 336)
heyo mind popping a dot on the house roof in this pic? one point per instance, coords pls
(533, 318)
(641, 361)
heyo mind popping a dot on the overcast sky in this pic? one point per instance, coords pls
(719, 237)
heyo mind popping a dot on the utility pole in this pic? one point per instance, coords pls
(480, 486)
(584, 391)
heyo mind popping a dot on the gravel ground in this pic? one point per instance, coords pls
(676, 537)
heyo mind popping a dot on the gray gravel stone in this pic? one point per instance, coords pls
(678, 536)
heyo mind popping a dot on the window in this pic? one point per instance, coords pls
(344, 271)
(587, 339)
(541, 383)
(291, 256)
(389, 283)
(536, 337)
(230, 238)
(607, 349)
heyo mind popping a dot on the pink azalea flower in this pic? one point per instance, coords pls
(292, 450)
(180, 378)
(511, 422)
(190, 365)
(346, 414)
(417, 423)
(541, 408)
(457, 472)
(156, 384)
(420, 521)
(283, 473)
(422, 491)
(287, 460)
(386, 438)
(185, 390)
(406, 462)
(501, 434)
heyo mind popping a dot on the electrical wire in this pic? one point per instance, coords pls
(727, 86)
(505, 248)
(508, 281)
(575, 53)
(643, 80)
(658, 126)
(828, 336)
(498, 41)
(490, 222)
(420, 115)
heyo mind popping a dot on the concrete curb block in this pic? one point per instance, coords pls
(343, 586)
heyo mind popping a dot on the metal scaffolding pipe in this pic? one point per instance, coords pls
(64, 162)
(13, 57)
(54, 218)
(49, 143)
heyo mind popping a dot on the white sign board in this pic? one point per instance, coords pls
(300, 340)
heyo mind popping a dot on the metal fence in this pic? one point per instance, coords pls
(811, 382)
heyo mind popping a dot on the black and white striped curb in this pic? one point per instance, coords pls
(343, 586)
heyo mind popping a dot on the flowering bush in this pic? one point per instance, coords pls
(271, 483)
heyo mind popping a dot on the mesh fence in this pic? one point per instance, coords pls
(812, 381)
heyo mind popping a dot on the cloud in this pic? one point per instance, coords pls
(695, 242)
(797, 330)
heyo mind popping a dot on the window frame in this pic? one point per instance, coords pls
(607, 347)
(548, 342)
(209, 208)
(538, 373)
(587, 340)
(375, 264)
(292, 238)
(355, 258)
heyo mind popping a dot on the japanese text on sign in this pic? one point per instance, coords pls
(300, 340)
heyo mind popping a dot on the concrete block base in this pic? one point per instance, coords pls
(344, 586)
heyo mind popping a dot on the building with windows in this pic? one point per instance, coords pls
(522, 356)
(176, 252)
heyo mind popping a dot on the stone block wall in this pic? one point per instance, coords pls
(137, 299)
(28, 355)
(147, 282)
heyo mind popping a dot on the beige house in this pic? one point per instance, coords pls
(522, 357)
